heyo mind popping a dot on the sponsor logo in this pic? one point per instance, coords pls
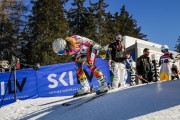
(65, 79)
(10, 86)
(55, 80)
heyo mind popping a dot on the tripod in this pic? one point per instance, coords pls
(12, 73)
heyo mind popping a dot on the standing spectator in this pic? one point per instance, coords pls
(130, 66)
(166, 63)
(175, 72)
(116, 58)
(144, 66)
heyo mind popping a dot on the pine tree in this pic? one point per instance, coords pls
(77, 17)
(47, 23)
(177, 47)
(11, 24)
(89, 24)
(127, 25)
(109, 28)
(100, 14)
(115, 22)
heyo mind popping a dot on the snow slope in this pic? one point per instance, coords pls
(152, 101)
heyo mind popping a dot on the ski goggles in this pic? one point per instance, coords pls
(61, 52)
(164, 50)
(119, 37)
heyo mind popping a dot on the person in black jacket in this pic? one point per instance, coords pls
(116, 58)
(144, 66)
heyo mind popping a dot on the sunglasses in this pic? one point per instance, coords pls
(164, 50)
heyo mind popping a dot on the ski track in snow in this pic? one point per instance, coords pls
(156, 101)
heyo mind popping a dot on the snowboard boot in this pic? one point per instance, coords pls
(103, 86)
(84, 90)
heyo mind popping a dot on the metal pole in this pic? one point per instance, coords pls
(15, 92)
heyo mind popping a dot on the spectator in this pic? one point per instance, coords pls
(166, 63)
(175, 72)
(144, 66)
(116, 58)
(130, 66)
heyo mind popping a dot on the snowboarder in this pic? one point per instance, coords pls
(166, 63)
(83, 50)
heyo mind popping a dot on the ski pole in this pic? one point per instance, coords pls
(141, 78)
(135, 74)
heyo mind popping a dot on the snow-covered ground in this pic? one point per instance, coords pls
(157, 101)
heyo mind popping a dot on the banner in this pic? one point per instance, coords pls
(51, 80)
(26, 85)
(61, 79)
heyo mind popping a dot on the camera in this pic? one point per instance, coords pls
(9, 60)
(4, 62)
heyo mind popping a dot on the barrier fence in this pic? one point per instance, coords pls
(48, 81)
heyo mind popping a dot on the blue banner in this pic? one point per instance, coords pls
(51, 80)
(26, 85)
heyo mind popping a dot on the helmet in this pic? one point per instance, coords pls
(164, 48)
(119, 37)
(59, 45)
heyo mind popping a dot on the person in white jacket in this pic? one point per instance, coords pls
(166, 63)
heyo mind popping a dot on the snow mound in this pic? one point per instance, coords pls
(153, 101)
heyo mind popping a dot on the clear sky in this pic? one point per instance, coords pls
(159, 19)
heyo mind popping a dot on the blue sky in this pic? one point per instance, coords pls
(159, 19)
